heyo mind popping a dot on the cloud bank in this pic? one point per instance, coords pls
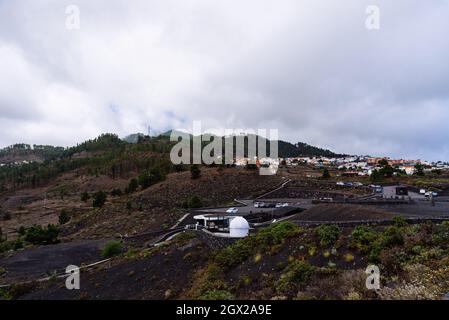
(309, 68)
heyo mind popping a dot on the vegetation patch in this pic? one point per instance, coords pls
(265, 240)
(63, 217)
(111, 249)
(296, 273)
(328, 234)
(39, 235)
(99, 199)
(362, 238)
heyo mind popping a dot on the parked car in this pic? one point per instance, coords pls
(232, 210)
(376, 188)
(281, 205)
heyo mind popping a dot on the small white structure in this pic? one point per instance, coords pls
(238, 228)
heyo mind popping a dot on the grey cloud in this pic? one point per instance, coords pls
(309, 68)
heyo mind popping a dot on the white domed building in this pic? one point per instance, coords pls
(223, 225)
(238, 228)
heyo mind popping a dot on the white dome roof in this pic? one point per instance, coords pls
(238, 227)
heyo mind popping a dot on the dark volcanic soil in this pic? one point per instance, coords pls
(39, 262)
(164, 275)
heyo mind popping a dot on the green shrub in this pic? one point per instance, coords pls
(417, 250)
(375, 244)
(244, 281)
(328, 234)
(132, 186)
(64, 217)
(195, 202)
(132, 253)
(276, 234)
(374, 253)
(38, 235)
(17, 290)
(185, 237)
(362, 238)
(5, 246)
(144, 180)
(430, 254)
(263, 241)
(147, 179)
(11, 245)
(233, 254)
(399, 222)
(392, 236)
(99, 199)
(17, 244)
(442, 233)
(296, 273)
(111, 249)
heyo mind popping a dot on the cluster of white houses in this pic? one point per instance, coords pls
(353, 165)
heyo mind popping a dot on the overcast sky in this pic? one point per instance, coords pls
(309, 68)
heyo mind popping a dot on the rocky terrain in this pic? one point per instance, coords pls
(281, 262)
(103, 202)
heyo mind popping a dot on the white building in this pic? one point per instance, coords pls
(226, 226)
